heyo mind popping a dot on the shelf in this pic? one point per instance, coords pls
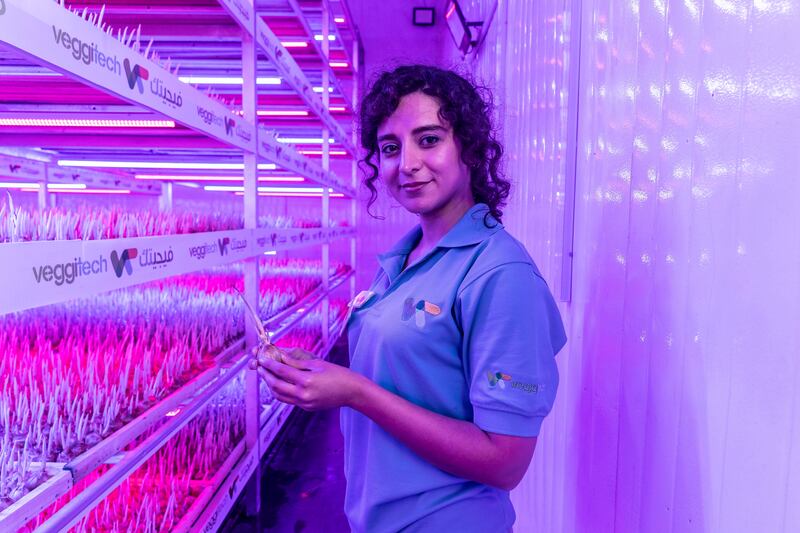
(47, 32)
(325, 62)
(290, 71)
(64, 476)
(28, 507)
(86, 500)
(229, 490)
(45, 272)
(183, 405)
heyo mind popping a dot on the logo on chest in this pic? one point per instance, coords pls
(419, 310)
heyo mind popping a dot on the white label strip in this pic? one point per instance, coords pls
(22, 168)
(39, 273)
(103, 180)
(272, 239)
(51, 34)
(30, 170)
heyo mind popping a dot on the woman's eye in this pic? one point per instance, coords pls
(388, 149)
(429, 140)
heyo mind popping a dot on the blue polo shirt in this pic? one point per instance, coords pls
(469, 331)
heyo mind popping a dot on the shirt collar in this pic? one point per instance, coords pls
(467, 231)
(471, 229)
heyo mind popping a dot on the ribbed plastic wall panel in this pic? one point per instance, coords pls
(678, 408)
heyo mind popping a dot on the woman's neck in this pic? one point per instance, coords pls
(436, 225)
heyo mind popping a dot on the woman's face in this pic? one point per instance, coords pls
(419, 158)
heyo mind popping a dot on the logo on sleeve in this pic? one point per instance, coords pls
(501, 380)
(498, 379)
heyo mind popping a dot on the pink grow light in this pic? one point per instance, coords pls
(86, 123)
(215, 178)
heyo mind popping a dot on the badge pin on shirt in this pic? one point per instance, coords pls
(358, 302)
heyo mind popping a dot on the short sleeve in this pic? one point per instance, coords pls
(512, 331)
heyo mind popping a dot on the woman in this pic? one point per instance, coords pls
(452, 348)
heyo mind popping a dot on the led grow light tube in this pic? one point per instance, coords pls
(302, 140)
(239, 188)
(296, 194)
(227, 80)
(214, 178)
(86, 123)
(319, 152)
(279, 113)
(35, 186)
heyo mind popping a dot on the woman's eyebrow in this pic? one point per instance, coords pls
(415, 131)
(387, 136)
(429, 127)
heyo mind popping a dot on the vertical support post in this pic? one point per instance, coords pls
(572, 150)
(354, 166)
(165, 201)
(251, 275)
(43, 195)
(326, 165)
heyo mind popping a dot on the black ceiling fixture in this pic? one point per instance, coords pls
(424, 16)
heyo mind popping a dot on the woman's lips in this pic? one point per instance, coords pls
(414, 187)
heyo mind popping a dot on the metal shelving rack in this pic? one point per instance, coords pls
(143, 86)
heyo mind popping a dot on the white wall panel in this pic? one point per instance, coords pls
(678, 409)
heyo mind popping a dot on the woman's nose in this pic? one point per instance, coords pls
(410, 160)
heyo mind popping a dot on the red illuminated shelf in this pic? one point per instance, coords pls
(188, 401)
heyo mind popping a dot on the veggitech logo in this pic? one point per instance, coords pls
(201, 251)
(123, 262)
(135, 75)
(223, 245)
(229, 125)
(87, 53)
(208, 116)
(68, 272)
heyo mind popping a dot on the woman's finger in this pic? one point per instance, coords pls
(285, 372)
(286, 392)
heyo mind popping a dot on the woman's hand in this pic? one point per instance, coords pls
(310, 383)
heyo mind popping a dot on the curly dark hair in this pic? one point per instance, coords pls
(464, 106)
